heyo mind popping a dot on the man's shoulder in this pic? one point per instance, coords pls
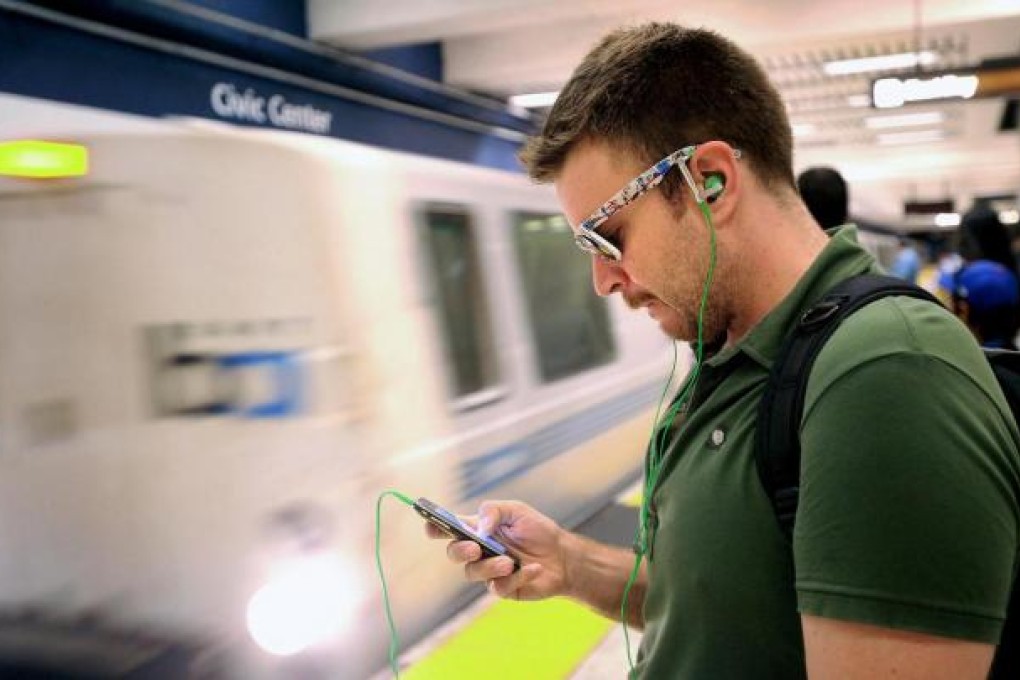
(900, 326)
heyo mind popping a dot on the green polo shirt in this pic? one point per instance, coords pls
(908, 512)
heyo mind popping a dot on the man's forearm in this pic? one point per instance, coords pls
(597, 575)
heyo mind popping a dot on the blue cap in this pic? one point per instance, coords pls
(986, 286)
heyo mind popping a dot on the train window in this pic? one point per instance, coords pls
(464, 313)
(570, 323)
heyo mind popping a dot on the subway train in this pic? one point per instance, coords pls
(219, 346)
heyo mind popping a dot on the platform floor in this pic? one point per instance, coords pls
(552, 640)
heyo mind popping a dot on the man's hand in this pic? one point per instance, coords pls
(536, 541)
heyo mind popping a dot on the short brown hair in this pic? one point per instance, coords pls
(654, 88)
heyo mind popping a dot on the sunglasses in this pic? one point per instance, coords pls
(587, 237)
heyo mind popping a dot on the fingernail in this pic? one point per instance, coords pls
(506, 566)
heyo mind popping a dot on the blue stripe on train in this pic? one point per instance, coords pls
(496, 467)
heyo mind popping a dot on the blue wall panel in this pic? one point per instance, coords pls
(425, 59)
(289, 16)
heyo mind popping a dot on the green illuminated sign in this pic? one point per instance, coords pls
(43, 159)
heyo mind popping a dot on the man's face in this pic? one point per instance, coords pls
(665, 250)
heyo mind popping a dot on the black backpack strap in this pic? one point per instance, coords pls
(1006, 664)
(777, 444)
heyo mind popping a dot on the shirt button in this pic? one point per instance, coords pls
(718, 437)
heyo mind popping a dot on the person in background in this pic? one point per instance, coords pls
(986, 297)
(907, 264)
(672, 156)
(825, 194)
(983, 236)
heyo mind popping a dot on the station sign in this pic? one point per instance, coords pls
(246, 104)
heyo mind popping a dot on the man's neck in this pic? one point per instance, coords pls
(780, 244)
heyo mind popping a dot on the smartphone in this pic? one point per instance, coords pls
(449, 524)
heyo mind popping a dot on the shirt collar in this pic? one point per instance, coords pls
(841, 258)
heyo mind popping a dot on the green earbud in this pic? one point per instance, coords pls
(713, 187)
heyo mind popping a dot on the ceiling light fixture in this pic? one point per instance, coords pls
(917, 137)
(538, 100)
(884, 62)
(947, 219)
(904, 120)
(803, 129)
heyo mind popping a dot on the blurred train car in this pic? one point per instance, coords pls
(219, 346)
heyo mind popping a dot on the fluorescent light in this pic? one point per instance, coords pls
(537, 100)
(947, 220)
(904, 120)
(882, 62)
(1009, 216)
(911, 137)
(858, 101)
(803, 129)
(890, 92)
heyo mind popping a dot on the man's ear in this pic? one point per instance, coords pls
(717, 172)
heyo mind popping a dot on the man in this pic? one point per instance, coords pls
(824, 192)
(903, 550)
(986, 298)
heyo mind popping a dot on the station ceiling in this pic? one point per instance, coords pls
(509, 47)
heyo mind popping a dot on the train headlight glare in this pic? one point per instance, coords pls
(309, 601)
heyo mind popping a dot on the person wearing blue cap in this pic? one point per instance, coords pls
(986, 297)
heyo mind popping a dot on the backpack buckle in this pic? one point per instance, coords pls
(821, 312)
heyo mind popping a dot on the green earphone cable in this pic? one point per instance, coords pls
(394, 639)
(658, 439)
(656, 455)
